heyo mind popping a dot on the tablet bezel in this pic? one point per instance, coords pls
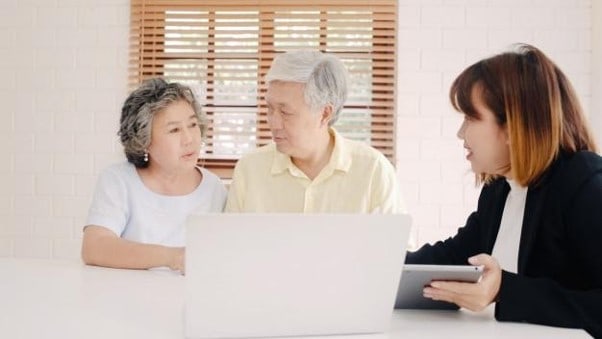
(415, 277)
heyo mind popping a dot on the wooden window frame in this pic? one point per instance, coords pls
(147, 58)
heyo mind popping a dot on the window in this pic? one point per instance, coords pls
(223, 49)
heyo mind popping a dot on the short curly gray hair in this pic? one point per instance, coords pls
(324, 76)
(141, 106)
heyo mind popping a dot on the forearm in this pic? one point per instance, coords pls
(436, 254)
(452, 251)
(121, 253)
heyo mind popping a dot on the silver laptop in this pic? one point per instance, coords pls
(264, 275)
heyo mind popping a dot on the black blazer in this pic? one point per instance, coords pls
(559, 280)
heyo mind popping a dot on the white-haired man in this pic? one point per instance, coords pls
(310, 168)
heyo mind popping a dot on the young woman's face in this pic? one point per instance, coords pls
(175, 138)
(485, 140)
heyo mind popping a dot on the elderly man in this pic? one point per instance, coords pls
(310, 168)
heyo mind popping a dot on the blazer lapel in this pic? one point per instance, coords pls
(531, 222)
(495, 215)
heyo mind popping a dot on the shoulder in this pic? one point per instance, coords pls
(122, 171)
(584, 161)
(265, 151)
(213, 187)
(360, 151)
(571, 177)
(493, 194)
(574, 170)
(263, 155)
(115, 182)
(210, 177)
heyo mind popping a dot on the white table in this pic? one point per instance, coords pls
(43, 299)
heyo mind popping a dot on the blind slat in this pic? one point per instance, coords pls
(223, 49)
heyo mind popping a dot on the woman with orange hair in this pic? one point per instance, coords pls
(537, 229)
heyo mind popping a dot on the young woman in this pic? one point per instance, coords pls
(538, 226)
(139, 208)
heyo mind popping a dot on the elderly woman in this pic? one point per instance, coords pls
(139, 208)
(310, 167)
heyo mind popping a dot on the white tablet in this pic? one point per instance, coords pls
(415, 277)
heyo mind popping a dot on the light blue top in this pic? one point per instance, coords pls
(123, 204)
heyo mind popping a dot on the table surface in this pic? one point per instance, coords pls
(66, 299)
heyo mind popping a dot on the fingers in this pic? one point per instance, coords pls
(178, 258)
(491, 280)
(466, 295)
(183, 263)
(181, 260)
(456, 287)
(472, 296)
(441, 295)
(488, 262)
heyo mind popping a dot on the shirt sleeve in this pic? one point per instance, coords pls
(235, 203)
(386, 191)
(223, 196)
(109, 206)
(218, 192)
(473, 238)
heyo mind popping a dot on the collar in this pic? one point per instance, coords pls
(340, 159)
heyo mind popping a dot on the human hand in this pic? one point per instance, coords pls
(178, 259)
(472, 296)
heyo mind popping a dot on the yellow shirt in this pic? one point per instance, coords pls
(357, 179)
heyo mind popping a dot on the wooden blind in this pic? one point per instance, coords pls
(223, 49)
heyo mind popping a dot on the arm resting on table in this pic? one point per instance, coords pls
(102, 247)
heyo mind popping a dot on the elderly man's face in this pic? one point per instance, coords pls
(293, 124)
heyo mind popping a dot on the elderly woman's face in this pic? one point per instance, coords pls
(293, 125)
(175, 138)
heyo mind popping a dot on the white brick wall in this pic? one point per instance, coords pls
(446, 36)
(596, 101)
(64, 69)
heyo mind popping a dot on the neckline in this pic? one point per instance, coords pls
(141, 183)
(515, 186)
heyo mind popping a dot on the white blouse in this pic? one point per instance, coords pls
(507, 242)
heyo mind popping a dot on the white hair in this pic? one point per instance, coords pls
(324, 76)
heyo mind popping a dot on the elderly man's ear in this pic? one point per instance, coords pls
(326, 115)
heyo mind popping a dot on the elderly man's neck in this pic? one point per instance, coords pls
(315, 160)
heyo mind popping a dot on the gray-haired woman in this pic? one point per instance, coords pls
(139, 208)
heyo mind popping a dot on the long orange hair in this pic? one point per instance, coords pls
(533, 98)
